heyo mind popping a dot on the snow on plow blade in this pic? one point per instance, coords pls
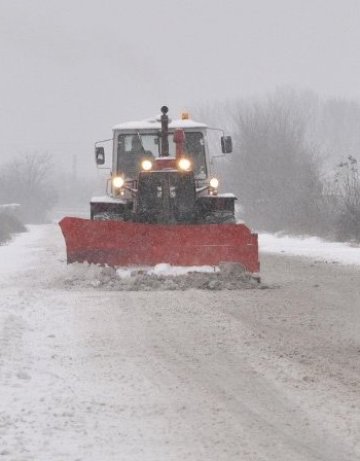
(117, 243)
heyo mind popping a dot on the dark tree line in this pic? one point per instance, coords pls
(285, 166)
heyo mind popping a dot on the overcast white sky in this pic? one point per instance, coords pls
(71, 69)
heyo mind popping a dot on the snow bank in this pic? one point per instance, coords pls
(165, 270)
(20, 252)
(312, 247)
(228, 276)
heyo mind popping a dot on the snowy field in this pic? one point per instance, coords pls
(311, 247)
(93, 374)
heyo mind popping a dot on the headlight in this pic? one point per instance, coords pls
(214, 183)
(118, 182)
(146, 165)
(184, 164)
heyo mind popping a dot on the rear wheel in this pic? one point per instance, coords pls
(103, 211)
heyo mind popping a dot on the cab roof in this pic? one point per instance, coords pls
(154, 124)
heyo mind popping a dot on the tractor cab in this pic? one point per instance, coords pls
(161, 174)
(138, 141)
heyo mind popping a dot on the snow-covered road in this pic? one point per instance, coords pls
(88, 374)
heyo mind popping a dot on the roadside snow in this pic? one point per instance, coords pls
(311, 247)
(20, 249)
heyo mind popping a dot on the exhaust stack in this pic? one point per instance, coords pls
(164, 132)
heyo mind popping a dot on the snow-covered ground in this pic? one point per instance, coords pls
(93, 374)
(312, 247)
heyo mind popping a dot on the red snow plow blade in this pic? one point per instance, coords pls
(117, 243)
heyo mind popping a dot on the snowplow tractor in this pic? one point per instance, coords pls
(162, 204)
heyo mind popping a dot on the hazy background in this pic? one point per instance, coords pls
(70, 70)
(281, 76)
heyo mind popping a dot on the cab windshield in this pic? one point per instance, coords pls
(132, 149)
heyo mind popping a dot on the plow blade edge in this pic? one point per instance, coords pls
(117, 243)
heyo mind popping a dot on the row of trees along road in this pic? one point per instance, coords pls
(285, 169)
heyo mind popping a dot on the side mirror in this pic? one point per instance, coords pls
(226, 144)
(99, 155)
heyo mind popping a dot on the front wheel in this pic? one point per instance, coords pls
(107, 216)
(220, 218)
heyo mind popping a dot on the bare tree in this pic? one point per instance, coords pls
(28, 180)
(277, 173)
(347, 191)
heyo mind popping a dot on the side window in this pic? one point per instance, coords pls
(123, 144)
